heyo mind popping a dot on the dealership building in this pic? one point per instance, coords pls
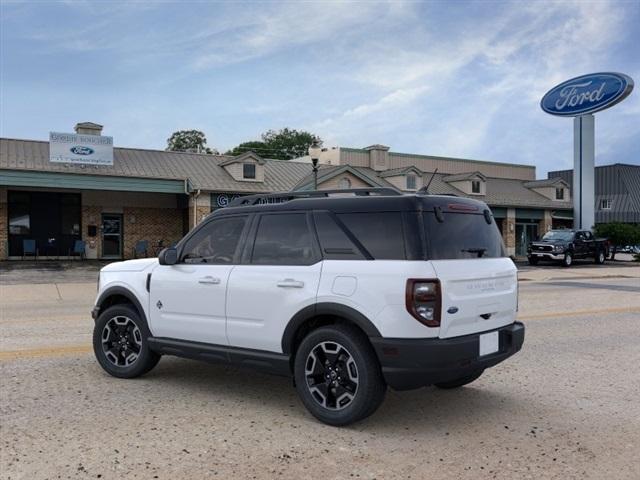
(79, 188)
(616, 192)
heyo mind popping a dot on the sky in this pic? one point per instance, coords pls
(446, 78)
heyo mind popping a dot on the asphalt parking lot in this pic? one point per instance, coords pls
(565, 407)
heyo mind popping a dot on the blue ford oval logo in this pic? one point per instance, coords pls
(587, 94)
(79, 150)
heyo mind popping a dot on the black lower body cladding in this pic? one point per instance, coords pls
(414, 363)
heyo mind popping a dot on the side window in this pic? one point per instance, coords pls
(216, 242)
(579, 236)
(588, 236)
(334, 242)
(283, 239)
(380, 233)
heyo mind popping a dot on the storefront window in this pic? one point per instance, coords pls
(19, 214)
(70, 214)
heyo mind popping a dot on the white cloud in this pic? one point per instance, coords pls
(460, 79)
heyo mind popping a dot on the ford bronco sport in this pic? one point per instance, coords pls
(348, 292)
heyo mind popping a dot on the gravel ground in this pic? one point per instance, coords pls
(565, 407)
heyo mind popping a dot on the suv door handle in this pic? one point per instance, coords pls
(290, 283)
(209, 280)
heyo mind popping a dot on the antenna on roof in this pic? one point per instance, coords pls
(425, 190)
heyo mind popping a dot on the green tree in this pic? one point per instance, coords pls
(289, 143)
(619, 234)
(283, 144)
(255, 146)
(188, 141)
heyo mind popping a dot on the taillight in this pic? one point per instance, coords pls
(423, 301)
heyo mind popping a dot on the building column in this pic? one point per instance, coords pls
(4, 225)
(509, 232)
(545, 224)
(199, 207)
(91, 217)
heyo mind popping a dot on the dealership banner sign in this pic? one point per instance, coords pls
(80, 149)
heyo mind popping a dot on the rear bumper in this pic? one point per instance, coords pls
(414, 363)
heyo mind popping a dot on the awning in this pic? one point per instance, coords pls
(29, 178)
(563, 215)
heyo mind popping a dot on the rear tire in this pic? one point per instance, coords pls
(338, 376)
(567, 261)
(120, 342)
(459, 382)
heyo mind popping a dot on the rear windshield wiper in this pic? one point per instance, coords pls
(479, 251)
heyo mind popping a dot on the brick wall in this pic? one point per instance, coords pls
(151, 224)
(4, 226)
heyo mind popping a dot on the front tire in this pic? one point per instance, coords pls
(338, 376)
(120, 342)
(532, 260)
(567, 261)
(600, 257)
(459, 382)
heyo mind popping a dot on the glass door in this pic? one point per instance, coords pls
(525, 233)
(111, 235)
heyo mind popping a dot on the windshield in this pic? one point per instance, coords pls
(558, 235)
(462, 235)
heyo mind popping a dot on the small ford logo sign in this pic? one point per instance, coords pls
(587, 94)
(79, 150)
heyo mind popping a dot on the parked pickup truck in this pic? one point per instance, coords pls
(566, 245)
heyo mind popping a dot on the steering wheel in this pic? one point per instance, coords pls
(221, 258)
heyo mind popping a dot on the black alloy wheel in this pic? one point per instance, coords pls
(337, 375)
(332, 375)
(121, 341)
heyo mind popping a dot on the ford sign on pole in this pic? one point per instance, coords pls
(80, 149)
(580, 97)
(587, 94)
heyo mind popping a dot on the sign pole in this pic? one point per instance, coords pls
(583, 172)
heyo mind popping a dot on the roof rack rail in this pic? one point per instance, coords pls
(282, 197)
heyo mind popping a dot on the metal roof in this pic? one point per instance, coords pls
(547, 182)
(392, 172)
(620, 184)
(499, 191)
(203, 171)
(464, 176)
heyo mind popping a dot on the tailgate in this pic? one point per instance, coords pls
(477, 294)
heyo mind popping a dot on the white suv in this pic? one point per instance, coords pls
(346, 293)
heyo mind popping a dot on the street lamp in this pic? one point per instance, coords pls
(314, 153)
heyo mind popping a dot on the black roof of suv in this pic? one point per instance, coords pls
(357, 200)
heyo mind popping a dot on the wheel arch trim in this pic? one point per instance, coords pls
(329, 309)
(120, 291)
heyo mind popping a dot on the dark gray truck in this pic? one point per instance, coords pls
(565, 246)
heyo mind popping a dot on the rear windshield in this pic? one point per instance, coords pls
(462, 235)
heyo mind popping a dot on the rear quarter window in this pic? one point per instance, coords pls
(462, 235)
(380, 233)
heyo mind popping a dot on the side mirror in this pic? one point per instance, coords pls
(168, 256)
